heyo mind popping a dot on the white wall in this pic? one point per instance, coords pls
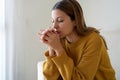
(28, 17)
(112, 38)
(104, 15)
(36, 16)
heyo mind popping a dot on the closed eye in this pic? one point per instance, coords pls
(60, 20)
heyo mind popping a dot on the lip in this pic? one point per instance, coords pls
(58, 32)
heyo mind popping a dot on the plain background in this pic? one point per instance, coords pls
(24, 19)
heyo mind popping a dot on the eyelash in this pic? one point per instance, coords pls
(61, 21)
(58, 21)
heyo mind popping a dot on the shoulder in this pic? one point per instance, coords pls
(94, 40)
(92, 36)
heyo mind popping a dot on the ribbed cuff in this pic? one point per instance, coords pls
(47, 55)
(61, 59)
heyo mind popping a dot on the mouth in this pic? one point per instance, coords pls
(58, 32)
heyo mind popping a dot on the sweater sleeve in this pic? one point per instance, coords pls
(50, 70)
(87, 66)
(65, 65)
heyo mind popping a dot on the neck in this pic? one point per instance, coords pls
(72, 38)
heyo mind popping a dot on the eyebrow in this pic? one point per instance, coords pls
(58, 17)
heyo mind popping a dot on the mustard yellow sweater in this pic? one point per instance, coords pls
(86, 59)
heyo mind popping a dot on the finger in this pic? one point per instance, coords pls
(44, 34)
(50, 29)
(49, 33)
(39, 34)
(44, 38)
(41, 31)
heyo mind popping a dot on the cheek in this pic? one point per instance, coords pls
(67, 28)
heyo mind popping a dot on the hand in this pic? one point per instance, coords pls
(51, 38)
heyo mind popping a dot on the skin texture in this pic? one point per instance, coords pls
(63, 27)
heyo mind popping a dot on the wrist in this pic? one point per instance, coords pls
(51, 52)
(59, 51)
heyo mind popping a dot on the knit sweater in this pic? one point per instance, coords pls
(86, 59)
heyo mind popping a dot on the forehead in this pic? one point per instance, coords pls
(58, 14)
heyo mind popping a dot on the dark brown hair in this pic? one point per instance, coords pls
(73, 9)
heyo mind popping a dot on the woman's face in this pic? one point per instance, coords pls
(62, 23)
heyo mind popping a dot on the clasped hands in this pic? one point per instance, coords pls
(51, 38)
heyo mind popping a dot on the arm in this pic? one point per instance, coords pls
(64, 65)
(50, 38)
(50, 70)
(87, 66)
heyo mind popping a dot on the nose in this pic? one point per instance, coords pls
(55, 25)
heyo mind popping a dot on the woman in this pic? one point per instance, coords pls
(76, 52)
